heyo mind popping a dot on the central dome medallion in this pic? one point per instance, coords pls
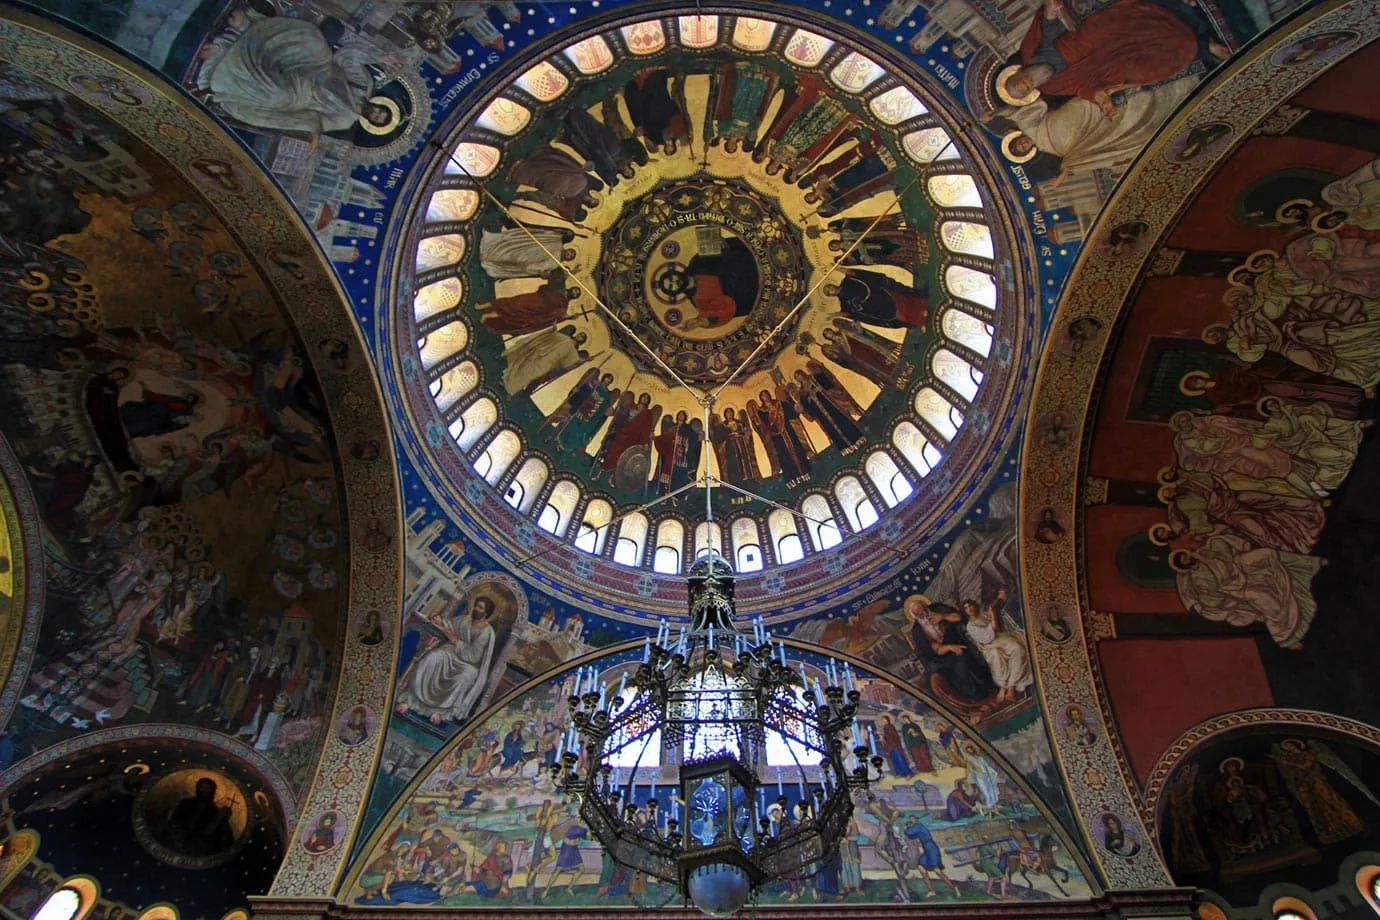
(702, 270)
(706, 245)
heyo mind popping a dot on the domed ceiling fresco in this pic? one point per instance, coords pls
(604, 254)
(779, 273)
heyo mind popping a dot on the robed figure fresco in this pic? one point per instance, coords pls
(281, 74)
(444, 682)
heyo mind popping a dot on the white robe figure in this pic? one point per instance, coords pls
(1086, 139)
(280, 74)
(1004, 652)
(537, 358)
(446, 681)
(513, 254)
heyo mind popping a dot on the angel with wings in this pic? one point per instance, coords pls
(1304, 766)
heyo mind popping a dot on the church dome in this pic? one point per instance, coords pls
(713, 245)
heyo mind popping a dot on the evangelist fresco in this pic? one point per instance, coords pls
(167, 822)
(175, 441)
(1246, 811)
(484, 827)
(1236, 444)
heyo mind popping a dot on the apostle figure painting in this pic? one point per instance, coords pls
(174, 439)
(1244, 811)
(483, 826)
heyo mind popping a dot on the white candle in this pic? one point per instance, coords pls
(872, 740)
(647, 649)
(622, 683)
(603, 688)
(778, 781)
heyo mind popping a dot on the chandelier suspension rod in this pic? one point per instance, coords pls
(609, 313)
(817, 285)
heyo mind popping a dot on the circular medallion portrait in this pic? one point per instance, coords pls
(192, 819)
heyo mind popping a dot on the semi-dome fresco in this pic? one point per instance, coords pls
(706, 245)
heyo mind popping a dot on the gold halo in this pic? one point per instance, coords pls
(394, 120)
(138, 768)
(1015, 157)
(1004, 94)
(1194, 383)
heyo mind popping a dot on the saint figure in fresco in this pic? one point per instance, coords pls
(722, 285)
(1125, 44)
(1304, 766)
(942, 645)
(535, 360)
(731, 437)
(523, 314)
(880, 300)
(515, 252)
(281, 74)
(197, 826)
(445, 681)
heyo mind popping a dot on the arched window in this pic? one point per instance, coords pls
(670, 538)
(824, 530)
(594, 527)
(954, 190)
(857, 507)
(72, 901)
(454, 383)
(498, 456)
(522, 491)
(971, 285)
(63, 904)
(438, 298)
(890, 481)
(939, 412)
(560, 506)
(439, 251)
(632, 539)
(708, 537)
(968, 331)
(452, 204)
(1368, 883)
(958, 374)
(785, 537)
(747, 545)
(444, 342)
(504, 116)
(473, 422)
(967, 237)
(914, 447)
(1287, 908)
(477, 160)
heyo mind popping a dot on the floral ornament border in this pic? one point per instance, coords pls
(1211, 729)
(1155, 192)
(264, 223)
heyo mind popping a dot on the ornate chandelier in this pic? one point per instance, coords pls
(721, 706)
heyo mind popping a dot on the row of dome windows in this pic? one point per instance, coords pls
(887, 480)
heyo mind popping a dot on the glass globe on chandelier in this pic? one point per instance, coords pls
(722, 704)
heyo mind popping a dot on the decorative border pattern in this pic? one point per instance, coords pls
(1154, 192)
(264, 223)
(831, 577)
(108, 737)
(20, 639)
(1205, 731)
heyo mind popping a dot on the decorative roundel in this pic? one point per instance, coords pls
(706, 246)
